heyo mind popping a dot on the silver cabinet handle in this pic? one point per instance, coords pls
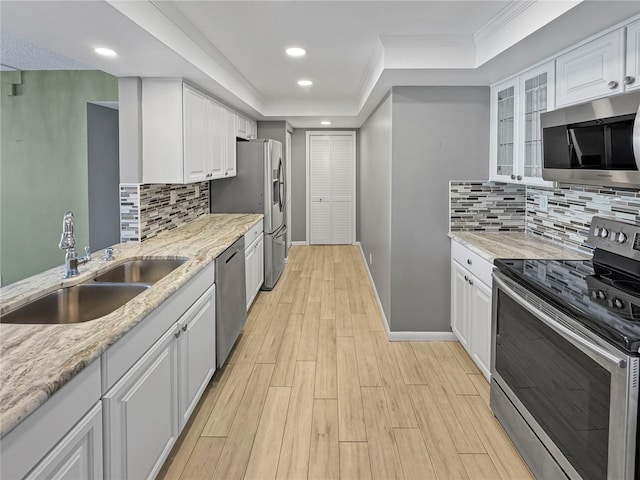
(184, 327)
(177, 334)
(513, 177)
(519, 177)
(612, 85)
(628, 80)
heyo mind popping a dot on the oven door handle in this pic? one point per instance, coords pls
(558, 327)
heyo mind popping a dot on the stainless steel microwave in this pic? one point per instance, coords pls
(595, 143)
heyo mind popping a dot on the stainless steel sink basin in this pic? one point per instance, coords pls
(77, 304)
(148, 270)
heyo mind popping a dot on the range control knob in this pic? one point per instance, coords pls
(596, 232)
(604, 233)
(612, 236)
(617, 303)
(621, 238)
(600, 295)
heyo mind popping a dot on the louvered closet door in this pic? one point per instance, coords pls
(331, 189)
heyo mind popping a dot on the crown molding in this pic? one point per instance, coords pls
(507, 15)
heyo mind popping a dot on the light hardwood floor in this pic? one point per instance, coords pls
(314, 390)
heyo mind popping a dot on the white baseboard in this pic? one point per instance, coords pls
(422, 337)
(403, 336)
(304, 242)
(375, 291)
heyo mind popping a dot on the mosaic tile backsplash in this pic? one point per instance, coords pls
(487, 206)
(129, 212)
(155, 213)
(571, 207)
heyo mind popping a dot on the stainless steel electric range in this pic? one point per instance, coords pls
(565, 343)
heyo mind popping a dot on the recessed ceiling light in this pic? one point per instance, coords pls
(295, 52)
(107, 52)
(305, 83)
(325, 122)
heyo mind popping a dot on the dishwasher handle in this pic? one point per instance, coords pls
(229, 259)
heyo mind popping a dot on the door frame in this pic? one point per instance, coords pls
(352, 134)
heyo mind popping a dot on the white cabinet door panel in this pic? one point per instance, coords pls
(590, 71)
(258, 273)
(141, 421)
(78, 455)
(459, 304)
(480, 319)
(196, 137)
(632, 73)
(216, 127)
(197, 352)
(249, 263)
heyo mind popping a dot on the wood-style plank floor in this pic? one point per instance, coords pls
(313, 390)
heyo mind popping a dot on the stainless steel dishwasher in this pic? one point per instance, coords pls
(231, 308)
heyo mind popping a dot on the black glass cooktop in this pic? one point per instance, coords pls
(603, 294)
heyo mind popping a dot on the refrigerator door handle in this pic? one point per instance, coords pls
(281, 185)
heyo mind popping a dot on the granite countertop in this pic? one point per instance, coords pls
(492, 245)
(37, 360)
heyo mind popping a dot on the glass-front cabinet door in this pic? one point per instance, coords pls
(516, 137)
(536, 87)
(503, 135)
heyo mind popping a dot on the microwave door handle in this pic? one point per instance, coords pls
(636, 138)
(558, 327)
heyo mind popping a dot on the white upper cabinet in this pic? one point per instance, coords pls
(245, 128)
(595, 69)
(186, 135)
(632, 72)
(516, 105)
(229, 143)
(197, 153)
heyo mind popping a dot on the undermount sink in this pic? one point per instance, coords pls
(77, 304)
(148, 270)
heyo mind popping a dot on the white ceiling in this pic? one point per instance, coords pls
(356, 50)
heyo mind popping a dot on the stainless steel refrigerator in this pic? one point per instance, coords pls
(258, 187)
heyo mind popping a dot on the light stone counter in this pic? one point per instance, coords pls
(492, 245)
(37, 360)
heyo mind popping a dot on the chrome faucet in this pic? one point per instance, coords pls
(68, 243)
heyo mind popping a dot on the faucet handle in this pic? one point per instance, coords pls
(108, 253)
(87, 253)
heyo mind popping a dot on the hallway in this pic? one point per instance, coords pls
(314, 390)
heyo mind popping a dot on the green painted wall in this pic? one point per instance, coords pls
(43, 164)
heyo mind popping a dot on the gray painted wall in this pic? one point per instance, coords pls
(43, 159)
(437, 134)
(104, 177)
(374, 186)
(299, 181)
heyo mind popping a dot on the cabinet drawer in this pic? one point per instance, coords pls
(253, 233)
(478, 266)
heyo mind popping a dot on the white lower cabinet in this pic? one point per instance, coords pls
(140, 413)
(480, 325)
(254, 262)
(471, 305)
(147, 408)
(78, 455)
(460, 303)
(197, 353)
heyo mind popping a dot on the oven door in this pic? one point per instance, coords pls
(576, 392)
